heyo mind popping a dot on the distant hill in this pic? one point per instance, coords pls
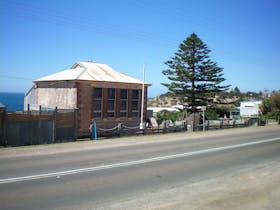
(231, 99)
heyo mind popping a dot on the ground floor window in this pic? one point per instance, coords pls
(112, 102)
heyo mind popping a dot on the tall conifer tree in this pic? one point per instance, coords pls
(192, 73)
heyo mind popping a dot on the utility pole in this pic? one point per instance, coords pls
(203, 112)
(143, 97)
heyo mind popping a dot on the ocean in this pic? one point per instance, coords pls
(12, 101)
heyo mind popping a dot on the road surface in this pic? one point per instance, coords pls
(148, 172)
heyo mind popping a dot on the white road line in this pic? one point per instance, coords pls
(130, 163)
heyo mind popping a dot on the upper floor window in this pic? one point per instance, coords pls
(111, 93)
(135, 94)
(123, 103)
(135, 103)
(111, 100)
(97, 102)
(97, 93)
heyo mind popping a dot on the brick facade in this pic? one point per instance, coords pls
(85, 105)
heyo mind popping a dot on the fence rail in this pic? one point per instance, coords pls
(122, 130)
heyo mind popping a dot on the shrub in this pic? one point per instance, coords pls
(167, 115)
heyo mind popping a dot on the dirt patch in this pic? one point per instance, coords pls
(256, 187)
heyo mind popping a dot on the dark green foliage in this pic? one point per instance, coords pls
(213, 113)
(192, 73)
(270, 106)
(167, 115)
(222, 111)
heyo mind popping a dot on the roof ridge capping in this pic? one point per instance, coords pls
(105, 68)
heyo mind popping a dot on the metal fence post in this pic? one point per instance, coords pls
(94, 131)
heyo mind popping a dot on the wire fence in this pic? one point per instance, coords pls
(168, 127)
(52, 126)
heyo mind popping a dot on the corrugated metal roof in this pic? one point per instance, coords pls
(90, 71)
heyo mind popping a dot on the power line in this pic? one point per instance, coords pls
(51, 16)
(90, 24)
(15, 77)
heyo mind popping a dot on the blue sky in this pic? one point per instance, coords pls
(39, 38)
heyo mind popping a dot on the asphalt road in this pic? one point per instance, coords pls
(101, 177)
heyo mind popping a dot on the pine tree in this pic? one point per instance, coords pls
(192, 73)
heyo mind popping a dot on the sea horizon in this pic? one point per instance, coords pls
(13, 101)
(12, 92)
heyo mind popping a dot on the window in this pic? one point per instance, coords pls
(111, 105)
(96, 114)
(123, 103)
(135, 94)
(123, 94)
(111, 98)
(97, 102)
(135, 103)
(97, 93)
(111, 93)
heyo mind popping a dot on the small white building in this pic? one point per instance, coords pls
(249, 108)
(155, 110)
